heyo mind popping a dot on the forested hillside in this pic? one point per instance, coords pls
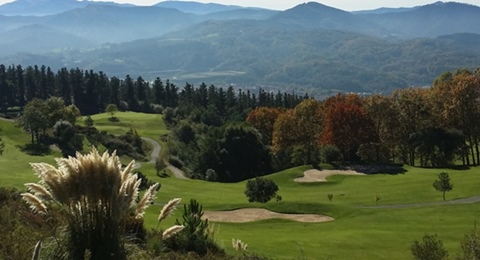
(436, 127)
(310, 47)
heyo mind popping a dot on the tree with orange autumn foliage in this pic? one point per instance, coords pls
(298, 132)
(458, 103)
(263, 119)
(347, 126)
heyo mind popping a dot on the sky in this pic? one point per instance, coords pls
(347, 5)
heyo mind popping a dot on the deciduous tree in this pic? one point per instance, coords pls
(263, 119)
(111, 109)
(443, 183)
(261, 190)
(347, 126)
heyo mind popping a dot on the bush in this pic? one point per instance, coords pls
(330, 154)
(470, 246)
(261, 190)
(156, 108)
(431, 248)
(196, 236)
(373, 153)
(211, 175)
(175, 161)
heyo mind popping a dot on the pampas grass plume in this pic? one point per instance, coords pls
(35, 203)
(168, 208)
(36, 252)
(39, 190)
(147, 199)
(172, 231)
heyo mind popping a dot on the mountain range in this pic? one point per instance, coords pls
(310, 46)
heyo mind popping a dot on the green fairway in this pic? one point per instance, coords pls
(363, 233)
(147, 125)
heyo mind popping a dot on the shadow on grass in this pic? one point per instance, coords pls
(163, 174)
(35, 149)
(113, 119)
(392, 169)
(460, 167)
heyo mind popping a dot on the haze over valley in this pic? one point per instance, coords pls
(310, 47)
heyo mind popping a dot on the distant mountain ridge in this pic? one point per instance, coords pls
(47, 7)
(315, 15)
(310, 45)
(196, 7)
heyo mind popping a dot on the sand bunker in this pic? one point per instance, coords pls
(253, 214)
(321, 176)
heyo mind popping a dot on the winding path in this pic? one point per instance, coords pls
(179, 174)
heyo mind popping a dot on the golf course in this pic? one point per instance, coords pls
(366, 216)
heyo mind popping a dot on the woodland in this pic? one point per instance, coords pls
(216, 130)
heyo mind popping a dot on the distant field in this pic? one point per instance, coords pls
(208, 74)
(356, 232)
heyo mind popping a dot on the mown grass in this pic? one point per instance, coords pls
(147, 125)
(363, 233)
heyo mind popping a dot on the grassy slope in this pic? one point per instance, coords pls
(363, 233)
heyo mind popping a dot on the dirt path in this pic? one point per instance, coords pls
(255, 214)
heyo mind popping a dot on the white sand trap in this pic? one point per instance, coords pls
(321, 176)
(253, 214)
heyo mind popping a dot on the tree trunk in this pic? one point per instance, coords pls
(470, 142)
(443, 195)
(476, 150)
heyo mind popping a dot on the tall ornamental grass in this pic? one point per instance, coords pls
(96, 196)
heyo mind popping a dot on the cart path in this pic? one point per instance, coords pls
(469, 200)
(179, 174)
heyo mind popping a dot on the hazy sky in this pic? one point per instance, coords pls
(348, 5)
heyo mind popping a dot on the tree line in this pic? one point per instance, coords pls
(430, 127)
(230, 135)
(92, 91)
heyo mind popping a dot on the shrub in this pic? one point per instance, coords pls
(175, 161)
(195, 237)
(470, 246)
(373, 153)
(261, 190)
(330, 154)
(156, 108)
(89, 121)
(211, 175)
(431, 248)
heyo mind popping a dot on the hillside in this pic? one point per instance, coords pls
(430, 20)
(319, 60)
(311, 46)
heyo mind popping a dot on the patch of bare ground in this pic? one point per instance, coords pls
(321, 176)
(255, 214)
